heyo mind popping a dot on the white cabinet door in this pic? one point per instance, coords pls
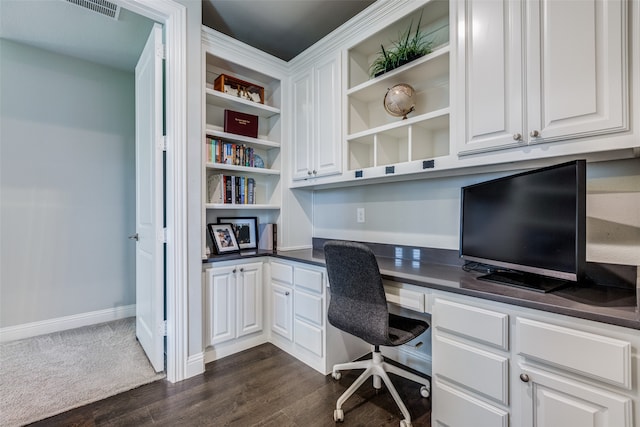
(249, 298)
(575, 83)
(577, 73)
(221, 305)
(550, 400)
(455, 408)
(328, 142)
(302, 86)
(282, 310)
(489, 75)
(317, 143)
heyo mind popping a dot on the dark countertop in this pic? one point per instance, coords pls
(612, 305)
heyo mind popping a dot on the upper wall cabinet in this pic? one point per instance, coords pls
(317, 120)
(378, 142)
(539, 71)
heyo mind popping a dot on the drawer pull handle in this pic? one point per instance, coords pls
(524, 378)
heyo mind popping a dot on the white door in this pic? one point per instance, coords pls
(149, 201)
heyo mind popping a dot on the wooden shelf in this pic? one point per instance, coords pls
(399, 124)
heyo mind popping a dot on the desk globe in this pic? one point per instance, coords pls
(398, 101)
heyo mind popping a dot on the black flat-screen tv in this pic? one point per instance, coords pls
(528, 230)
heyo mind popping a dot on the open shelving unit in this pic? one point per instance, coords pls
(266, 145)
(376, 139)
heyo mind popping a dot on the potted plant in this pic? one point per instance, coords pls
(402, 51)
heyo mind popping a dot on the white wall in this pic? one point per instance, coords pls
(67, 186)
(426, 212)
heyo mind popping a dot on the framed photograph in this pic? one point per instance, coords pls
(246, 229)
(223, 238)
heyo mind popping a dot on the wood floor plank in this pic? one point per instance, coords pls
(263, 387)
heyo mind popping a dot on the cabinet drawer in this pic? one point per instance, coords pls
(405, 298)
(309, 307)
(479, 370)
(308, 336)
(454, 408)
(309, 279)
(594, 356)
(282, 273)
(473, 323)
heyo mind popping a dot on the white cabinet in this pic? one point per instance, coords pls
(316, 124)
(470, 365)
(299, 324)
(233, 301)
(282, 300)
(498, 365)
(562, 375)
(553, 400)
(524, 76)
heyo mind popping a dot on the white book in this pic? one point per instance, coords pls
(215, 188)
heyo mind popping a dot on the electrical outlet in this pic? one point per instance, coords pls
(360, 214)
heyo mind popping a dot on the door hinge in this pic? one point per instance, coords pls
(162, 328)
(164, 235)
(164, 143)
(161, 51)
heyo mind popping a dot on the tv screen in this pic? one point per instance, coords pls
(532, 222)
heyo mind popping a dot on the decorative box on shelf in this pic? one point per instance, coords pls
(241, 123)
(239, 88)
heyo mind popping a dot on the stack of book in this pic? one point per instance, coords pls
(219, 151)
(230, 189)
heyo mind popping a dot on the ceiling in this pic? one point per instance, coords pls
(282, 28)
(68, 29)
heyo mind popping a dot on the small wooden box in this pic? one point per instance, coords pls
(236, 87)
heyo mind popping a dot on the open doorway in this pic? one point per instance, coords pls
(32, 245)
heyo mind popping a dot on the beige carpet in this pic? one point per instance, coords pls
(46, 375)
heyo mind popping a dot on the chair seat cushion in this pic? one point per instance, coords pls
(404, 329)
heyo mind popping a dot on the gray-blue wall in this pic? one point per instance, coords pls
(67, 186)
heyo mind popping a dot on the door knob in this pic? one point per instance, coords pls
(134, 237)
(534, 134)
(517, 136)
(524, 378)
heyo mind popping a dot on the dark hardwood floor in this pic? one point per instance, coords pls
(263, 386)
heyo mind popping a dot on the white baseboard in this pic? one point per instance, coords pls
(195, 365)
(27, 330)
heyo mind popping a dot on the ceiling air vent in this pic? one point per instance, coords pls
(102, 7)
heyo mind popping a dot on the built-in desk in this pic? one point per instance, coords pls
(613, 305)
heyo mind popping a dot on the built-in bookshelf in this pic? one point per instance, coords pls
(241, 174)
(376, 139)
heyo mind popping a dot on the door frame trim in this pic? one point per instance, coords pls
(173, 16)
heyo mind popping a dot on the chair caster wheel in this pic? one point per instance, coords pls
(405, 423)
(338, 415)
(424, 391)
(336, 375)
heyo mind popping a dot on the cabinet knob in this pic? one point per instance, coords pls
(524, 378)
(234, 270)
(315, 171)
(308, 172)
(287, 293)
(241, 269)
(534, 134)
(517, 136)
